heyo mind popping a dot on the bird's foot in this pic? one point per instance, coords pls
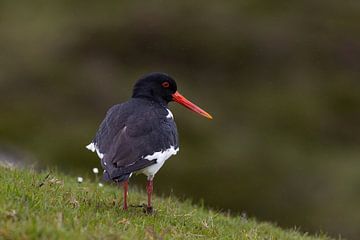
(148, 210)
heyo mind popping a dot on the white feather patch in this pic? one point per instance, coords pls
(170, 115)
(92, 147)
(160, 157)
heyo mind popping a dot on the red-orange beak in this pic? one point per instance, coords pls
(177, 97)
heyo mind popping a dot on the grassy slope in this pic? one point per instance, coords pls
(64, 209)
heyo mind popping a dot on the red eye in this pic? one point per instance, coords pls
(165, 84)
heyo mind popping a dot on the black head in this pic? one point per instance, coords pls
(155, 86)
(161, 88)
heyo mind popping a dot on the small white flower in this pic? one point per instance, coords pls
(95, 170)
(80, 179)
(101, 185)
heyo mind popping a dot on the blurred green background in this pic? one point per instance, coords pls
(281, 78)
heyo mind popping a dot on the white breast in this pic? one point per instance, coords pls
(160, 157)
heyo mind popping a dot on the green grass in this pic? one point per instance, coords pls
(57, 207)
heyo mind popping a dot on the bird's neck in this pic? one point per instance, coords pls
(162, 102)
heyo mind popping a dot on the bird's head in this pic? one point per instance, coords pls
(162, 88)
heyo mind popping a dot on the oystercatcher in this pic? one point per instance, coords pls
(139, 135)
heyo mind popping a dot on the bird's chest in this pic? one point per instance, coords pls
(167, 138)
(168, 133)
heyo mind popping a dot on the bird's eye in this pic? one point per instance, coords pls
(165, 84)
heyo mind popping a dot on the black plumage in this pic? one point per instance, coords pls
(137, 128)
(140, 134)
(131, 131)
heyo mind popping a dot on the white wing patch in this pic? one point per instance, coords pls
(92, 147)
(160, 157)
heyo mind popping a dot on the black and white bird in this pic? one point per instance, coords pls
(139, 135)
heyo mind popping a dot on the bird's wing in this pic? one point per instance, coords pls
(111, 125)
(125, 143)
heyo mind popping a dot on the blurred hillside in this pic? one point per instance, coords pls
(281, 80)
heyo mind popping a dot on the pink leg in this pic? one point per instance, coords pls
(126, 186)
(149, 189)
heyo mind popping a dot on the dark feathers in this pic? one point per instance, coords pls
(132, 131)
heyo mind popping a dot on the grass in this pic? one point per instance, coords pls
(42, 206)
